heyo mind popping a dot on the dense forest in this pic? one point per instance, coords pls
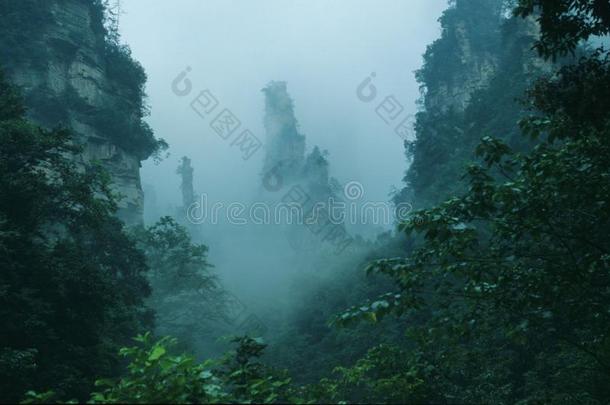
(494, 289)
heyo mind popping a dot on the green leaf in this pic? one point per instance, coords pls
(156, 353)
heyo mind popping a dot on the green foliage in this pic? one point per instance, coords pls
(11, 103)
(23, 23)
(23, 45)
(119, 122)
(247, 379)
(466, 23)
(185, 294)
(514, 273)
(503, 289)
(136, 136)
(565, 23)
(304, 343)
(156, 376)
(491, 79)
(505, 294)
(386, 374)
(124, 123)
(72, 283)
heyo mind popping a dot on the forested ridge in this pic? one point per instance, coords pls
(496, 289)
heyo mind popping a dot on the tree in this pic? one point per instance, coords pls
(507, 292)
(72, 283)
(156, 375)
(565, 23)
(186, 295)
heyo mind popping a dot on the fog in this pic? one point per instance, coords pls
(323, 50)
(305, 201)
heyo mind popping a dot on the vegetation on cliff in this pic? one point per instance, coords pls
(25, 45)
(496, 291)
(72, 282)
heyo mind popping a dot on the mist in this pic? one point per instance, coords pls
(304, 201)
(322, 50)
(233, 49)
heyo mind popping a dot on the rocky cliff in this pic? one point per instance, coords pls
(73, 72)
(471, 81)
(465, 57)
(285, 155)
(285, 146)
(300, 177)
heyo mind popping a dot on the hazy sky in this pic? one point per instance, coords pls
(323, 49)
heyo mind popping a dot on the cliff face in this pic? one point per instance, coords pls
(285, 155)
(284, 144)
(464, 59)
(62, 68)
(471, 81)
(303, 178)
(455, 90)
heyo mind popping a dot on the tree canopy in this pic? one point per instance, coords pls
(72, 283)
